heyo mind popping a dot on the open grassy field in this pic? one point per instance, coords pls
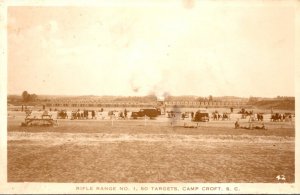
(150, 151)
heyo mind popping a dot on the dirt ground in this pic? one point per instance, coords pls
(150, 151)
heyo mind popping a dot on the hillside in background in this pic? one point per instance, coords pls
(275, 104)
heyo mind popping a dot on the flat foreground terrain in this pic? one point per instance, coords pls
(151, 151)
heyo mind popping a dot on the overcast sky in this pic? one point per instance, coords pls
(184, 49)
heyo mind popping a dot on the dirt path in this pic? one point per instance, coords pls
(86, 138)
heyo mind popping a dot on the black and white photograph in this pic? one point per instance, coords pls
(176, 96)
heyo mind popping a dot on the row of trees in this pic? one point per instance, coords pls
(27, 97)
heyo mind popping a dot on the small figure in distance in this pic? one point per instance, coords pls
(182, 116)
(125, 113)
(237, 124)
(93, 114)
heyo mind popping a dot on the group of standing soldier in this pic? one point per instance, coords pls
(184, 115)
(83, 115)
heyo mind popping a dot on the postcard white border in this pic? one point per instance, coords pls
(63, 188)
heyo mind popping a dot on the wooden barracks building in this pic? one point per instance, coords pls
(94, 103)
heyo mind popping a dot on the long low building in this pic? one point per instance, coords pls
(75, 104)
